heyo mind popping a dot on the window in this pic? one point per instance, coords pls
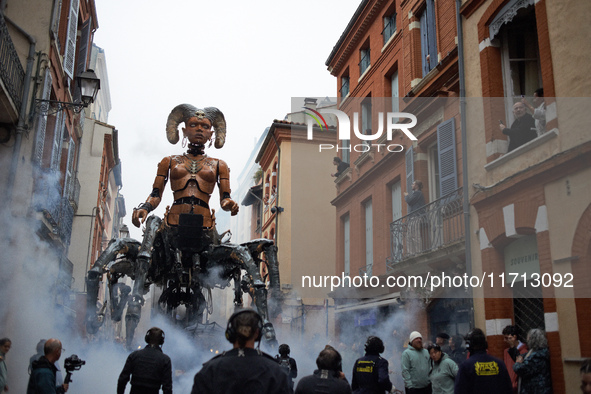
(520, 58)
(346, 245)
(365, 60)
(434, 180)
(395, 97)
(366, 118)
(446, 141)
(368, 237)
(345, 84)
(397, 237)
(428, 38)
(389, 27)
(346, 149)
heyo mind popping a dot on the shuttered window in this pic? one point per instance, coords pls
(70, 54)
(368, 237)
(82, 55)
(58, 136)
(428, 38)
(42, 120)
(446, 143)
(347, 244)
(69, 169)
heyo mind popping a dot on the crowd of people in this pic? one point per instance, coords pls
(439, 367)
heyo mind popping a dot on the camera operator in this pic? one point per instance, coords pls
(149, 368)
(42, 379)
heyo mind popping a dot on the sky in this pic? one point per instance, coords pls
(246, 58)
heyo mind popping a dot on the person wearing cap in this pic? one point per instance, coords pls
(442, 339)
(416, 366)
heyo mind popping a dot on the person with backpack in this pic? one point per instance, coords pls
(288, 364)
(370, 372)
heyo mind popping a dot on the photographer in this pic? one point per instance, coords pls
(149, 368)
(42, 379)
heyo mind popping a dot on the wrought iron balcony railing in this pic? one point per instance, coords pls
(436, 225)
(367, 270)
(11, 69)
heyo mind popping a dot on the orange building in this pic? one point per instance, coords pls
(399, 57)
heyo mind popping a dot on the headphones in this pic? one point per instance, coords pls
(374, 344)
(232, 334)
(284, 349)
(153, 332)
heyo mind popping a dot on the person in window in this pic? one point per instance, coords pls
(415, 200)
(523, 128)
(341, 166)
(538, 109)
(417, 227)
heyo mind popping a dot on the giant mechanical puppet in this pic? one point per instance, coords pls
(183, 253)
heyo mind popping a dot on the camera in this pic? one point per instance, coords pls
(73, 363)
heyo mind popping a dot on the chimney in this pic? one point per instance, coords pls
(310, 102)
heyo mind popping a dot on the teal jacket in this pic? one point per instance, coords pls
(415, 368)
(443, 375)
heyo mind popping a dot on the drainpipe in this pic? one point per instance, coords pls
(466, 202)
(277, 194)
(20, 128)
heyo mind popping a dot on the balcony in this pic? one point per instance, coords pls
(12, 74)
(367, 270)
(57, 211)
(437, 225)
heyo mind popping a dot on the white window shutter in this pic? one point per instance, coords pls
(42, 120)
(70, 54)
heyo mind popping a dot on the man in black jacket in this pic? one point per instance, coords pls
(523, 128)
(328, 378)
(288, 364)
(481, 373)
(243, 369)
(370, 372)
(149, 367)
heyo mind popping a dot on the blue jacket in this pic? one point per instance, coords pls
(483, 374)
(534, 372)
(370, 375)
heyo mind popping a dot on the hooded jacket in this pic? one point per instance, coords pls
(415, 368)
(443, 375)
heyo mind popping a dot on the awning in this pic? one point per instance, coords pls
(389, 299)
(506, 15)
(253, 195)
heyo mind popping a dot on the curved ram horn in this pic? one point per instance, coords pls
(219, 125)
(178, 115)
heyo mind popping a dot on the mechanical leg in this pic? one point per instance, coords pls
(241, 253)
(144, 257)
(128, 246)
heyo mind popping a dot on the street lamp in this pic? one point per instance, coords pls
(87, 83)
(124, 231)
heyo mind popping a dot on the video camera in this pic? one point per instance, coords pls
(72, 363)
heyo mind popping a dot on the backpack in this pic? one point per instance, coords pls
(285, 365)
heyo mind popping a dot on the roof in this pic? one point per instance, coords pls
(346, 32)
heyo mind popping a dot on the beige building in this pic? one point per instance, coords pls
(296, 193)
(531, 206)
